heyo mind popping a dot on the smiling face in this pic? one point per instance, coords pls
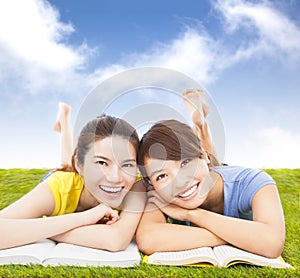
(185, 183)
(109, 170)
(170, 155)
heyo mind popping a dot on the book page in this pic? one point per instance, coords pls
(69, 254)
(26, 254)
(193, 256)
(228, 255)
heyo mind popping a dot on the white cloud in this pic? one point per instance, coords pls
(194, 53)
(34, 51)
(274, 33)
(272, 147)
(31, 30)
(281, 145)
(197, 54)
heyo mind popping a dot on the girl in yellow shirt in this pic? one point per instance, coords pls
(82, 200)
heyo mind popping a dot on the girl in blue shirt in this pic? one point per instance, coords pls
(223, 204)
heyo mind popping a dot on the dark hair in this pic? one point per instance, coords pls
(170, 140)
(100, 128)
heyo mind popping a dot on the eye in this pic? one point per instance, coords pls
(160, 177)
(185, 162)
(102, 162)
(129, 165)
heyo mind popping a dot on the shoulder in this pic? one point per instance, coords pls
(243, 174)
(65, 179)
(66, 188)
(63, 175)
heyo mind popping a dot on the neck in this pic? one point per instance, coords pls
(215, 198)
(86, 201)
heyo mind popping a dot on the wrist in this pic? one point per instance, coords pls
(83, 218)
(194, 215)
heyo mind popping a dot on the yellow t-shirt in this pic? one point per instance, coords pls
(66, 188)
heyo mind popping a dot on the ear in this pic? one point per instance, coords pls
(78, 167)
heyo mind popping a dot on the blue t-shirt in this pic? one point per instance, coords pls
(240, 185)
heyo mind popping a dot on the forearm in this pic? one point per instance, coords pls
(171, 237)
(256, 237)
(114, 237)
(15, 232)
(99, 236)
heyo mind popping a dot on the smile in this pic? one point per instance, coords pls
(109, 189)
(189, 192)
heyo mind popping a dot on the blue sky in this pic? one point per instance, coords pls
(246, 54)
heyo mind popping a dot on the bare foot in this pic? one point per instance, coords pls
(63, 114)
(194, 100)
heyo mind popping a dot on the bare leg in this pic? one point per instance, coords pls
(194, 100)
(63, 126)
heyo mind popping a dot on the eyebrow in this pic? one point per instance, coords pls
(102, 157)
(155, 172)
(106, 158)
(129, 160)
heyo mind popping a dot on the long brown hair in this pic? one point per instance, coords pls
(170, 140)
(100, 128)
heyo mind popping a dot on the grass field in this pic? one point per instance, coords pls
(16, 182)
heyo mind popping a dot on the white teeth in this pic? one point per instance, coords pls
(110, 189)
(189, 192)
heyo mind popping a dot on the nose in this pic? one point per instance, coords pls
(114, 174)
(180, 181)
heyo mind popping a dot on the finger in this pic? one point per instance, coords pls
(111, 214)
(151, 196)
(151, 199)
(156, 195)
(113, 220)
(154, 202)
(115, 213)
(157, 202)
(153, 193)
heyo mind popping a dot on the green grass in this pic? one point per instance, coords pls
(16, 182)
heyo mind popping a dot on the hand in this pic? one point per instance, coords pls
(155, 198)
(100, 212)
(167, 208)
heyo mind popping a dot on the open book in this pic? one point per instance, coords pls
(47, 252)
(222, 256)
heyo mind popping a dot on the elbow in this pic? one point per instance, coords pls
(273, 247)
(145, 242)
(3, 245)
(118, 245)
(118, 242)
